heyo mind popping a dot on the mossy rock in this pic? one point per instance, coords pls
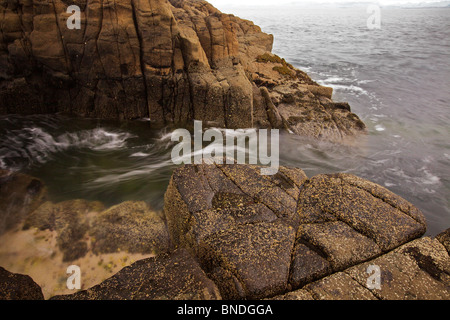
(267, 57)
(285, 71)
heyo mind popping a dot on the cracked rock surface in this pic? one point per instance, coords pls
(262, 235)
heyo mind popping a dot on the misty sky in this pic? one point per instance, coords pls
(220, 3)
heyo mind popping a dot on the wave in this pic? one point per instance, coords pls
(351, 88)
(131, 174)
(97, 139)
(428, 178)
(422, 176)
(35, 145)
(336, 79)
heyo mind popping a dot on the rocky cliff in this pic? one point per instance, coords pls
(168, 60)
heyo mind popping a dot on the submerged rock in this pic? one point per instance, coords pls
(71, 221)
(129, 226)
(258, 236)
(84, 226)
(20, 194)
(18, 287)
(172, 61)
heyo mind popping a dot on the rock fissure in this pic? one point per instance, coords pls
(141, 56)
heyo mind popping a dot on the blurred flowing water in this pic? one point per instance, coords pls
(396, 79)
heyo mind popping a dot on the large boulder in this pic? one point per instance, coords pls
(258, 236)
(172, 61)
(175, 276)
(18, 287)
(240, 225)
(349, 220)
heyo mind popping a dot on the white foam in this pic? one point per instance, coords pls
(429, 178)
(37, 145)
(428, 159)
(365, 81)
(389, 184)
(167, 136)
(41, 146)
(97, 139)
(139, 155)
(342, 87)
(335, 80)
(129, 175)
(380, 128)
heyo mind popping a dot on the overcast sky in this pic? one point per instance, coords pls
(221, 3)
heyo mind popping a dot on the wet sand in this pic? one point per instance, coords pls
(35, 253)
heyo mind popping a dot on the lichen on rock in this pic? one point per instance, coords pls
(270, 233)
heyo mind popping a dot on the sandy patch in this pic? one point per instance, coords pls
(35, 253)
